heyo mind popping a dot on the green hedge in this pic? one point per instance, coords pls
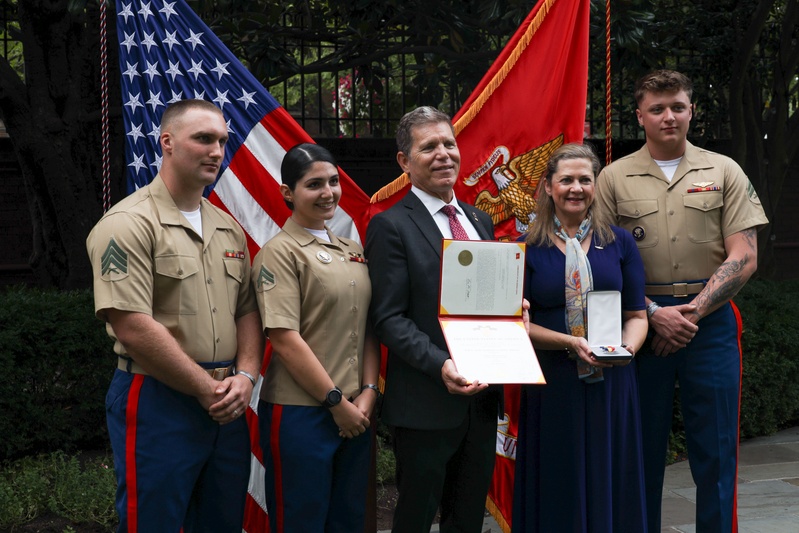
(770, 395)
(56, 362)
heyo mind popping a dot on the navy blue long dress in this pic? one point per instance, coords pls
(579, 462)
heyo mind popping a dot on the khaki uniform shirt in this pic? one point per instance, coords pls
(680, 226)
(322, 291)
(147, 258)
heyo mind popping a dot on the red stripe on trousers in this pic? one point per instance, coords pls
(739, 324)
(131, 413)
(274, 445)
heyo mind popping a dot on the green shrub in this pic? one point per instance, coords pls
(83, 493)
(22, 487)
(57, 483)
(57, 363)
(385, 464)
(770, 395)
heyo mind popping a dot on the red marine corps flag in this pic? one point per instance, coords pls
(530, 102)
(166, 54)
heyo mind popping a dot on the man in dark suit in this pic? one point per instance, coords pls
(444, 427)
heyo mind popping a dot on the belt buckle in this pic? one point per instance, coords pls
(680, 290)
(219, 374)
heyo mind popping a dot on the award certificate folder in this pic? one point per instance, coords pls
(480, 311)
(604, 326)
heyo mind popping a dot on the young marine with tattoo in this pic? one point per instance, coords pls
(694, 216)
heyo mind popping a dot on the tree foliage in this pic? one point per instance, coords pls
(449, 44)
(741, 54)
(743, 58)
(52, 115)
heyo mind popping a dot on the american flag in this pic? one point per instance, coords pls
(166, 54)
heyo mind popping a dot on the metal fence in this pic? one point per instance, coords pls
(368, 102)
(347, 103)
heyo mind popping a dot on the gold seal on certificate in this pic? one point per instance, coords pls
(480, 311)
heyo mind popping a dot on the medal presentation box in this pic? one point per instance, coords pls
(480, 311)
(604, 326)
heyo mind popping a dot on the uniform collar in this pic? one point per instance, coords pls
(169, 214)
(642, 163)
(303, 238)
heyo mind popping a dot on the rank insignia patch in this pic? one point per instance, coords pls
(266, 279)
(114, 264)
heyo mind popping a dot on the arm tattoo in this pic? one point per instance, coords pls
(728, 278)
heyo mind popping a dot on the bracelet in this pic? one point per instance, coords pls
(651, 309)
(246, 375)
(373, 387)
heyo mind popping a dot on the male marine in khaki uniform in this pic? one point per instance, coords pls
(694, 215)
(172, 281)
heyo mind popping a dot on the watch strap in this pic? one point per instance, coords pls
(330, 398)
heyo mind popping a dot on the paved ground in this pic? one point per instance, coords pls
(768, 489)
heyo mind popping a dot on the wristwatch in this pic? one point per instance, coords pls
(333, 398)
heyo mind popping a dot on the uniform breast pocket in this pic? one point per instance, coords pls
(175, 284)
(234, 274)
(703, 215)
(639, 217)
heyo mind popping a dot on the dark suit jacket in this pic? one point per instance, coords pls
(403, 247)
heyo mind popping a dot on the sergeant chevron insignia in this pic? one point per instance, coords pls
(114, 264)
(266, 279)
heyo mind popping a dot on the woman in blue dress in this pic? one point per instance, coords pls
(579, 463)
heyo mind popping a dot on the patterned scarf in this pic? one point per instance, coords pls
(579, 281)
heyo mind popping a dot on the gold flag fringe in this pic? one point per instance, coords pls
(503, 72)
(392, 188)
(497, 514)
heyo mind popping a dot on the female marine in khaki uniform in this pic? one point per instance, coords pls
(320, 387)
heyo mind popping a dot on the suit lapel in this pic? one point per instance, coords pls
(423, 220)
(471, 212)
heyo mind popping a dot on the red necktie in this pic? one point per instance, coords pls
(457, 230)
